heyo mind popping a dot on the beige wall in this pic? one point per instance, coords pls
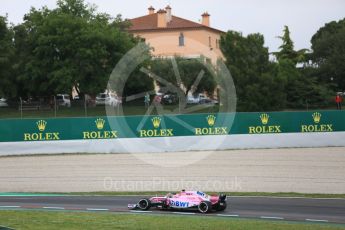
(166, 43)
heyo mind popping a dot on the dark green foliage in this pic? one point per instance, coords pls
(328, 46)
(7, 79)
(257, 87)
(287, 50)
(263, 85)
(189, 70)
(301, 87)
(137, 83)
(70, 46)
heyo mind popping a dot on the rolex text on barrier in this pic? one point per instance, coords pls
(100, 133)
(19, 130)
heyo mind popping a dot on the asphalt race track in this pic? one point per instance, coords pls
(291, 209)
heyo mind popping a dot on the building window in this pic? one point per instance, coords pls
(209, 42)
(181, 40)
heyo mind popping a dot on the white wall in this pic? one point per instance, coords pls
(173, 144)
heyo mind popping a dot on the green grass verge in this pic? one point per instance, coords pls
(81, 220)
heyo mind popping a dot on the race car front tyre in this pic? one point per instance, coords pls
(144, 204)
(204, 206)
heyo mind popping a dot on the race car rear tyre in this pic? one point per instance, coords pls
(221, 207)
(144, 204)
(205, 206)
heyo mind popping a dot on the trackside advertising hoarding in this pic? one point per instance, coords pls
(21, 130)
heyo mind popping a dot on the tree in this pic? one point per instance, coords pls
(77, 8)
(137, 83)
(7, 81)
(287, 49)
(70, 46)
(257, 86)
(301, 88)
(196, 76)
(328, 56)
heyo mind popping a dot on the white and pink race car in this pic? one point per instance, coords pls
(184, 200)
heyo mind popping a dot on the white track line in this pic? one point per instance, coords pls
(97, 209)
(139, 211)
(54, 208)
(10, 206)
(316, 220)
(272, 217)
(184, 213)
(225, 215)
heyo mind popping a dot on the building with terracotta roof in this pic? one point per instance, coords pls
(170, 35)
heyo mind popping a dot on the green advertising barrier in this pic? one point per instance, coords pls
(13, 130)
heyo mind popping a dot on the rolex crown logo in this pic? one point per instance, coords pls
(211, 119)
(156, 121)
(316, 117)
(264, 118)
(41, 125)
(100, 123)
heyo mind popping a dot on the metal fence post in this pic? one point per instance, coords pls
(85, 106)
(21, 108)
(55, 106)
